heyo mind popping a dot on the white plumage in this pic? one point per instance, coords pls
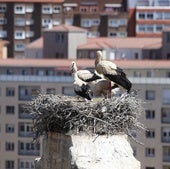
(84, 75)
(81, 88)
(111, 72)
(98, 86)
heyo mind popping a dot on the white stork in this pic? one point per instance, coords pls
(111, 72)
(98, 85)
(81, 88)
(84, 75)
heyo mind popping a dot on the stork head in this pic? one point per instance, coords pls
(98, 57)
(73, 67)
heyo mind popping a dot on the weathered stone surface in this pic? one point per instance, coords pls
(87, 152)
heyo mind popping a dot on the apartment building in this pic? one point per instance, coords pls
(22, 79)
(67, 41)
(147, 18)
(21, 22)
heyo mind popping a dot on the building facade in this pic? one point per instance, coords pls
(147, 18)
(21, 80)
(22, 22)
(66, 41)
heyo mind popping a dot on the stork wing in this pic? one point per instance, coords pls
(106, 67)
(87, 76)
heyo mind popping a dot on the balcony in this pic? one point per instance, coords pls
(166, 158)
(166, 139)
(21, 78)
(148, 80)
(69, 79)
(29, 152)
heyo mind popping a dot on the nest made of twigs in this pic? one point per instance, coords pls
(64, 114)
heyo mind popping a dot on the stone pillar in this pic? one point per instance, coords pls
(87, 152)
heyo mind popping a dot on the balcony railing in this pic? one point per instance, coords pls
(166, 139)
(69, 79)
(22, 78)
(29, 152)
(26, 134)
(166, 158)
(149, 80)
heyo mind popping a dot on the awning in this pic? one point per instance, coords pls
(113, 5)
(70, 5)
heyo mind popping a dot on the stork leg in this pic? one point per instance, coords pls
(110, 90)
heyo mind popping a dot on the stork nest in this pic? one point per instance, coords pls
(63, 114)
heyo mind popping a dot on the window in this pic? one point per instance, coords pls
(9, 164)
(168, 37)
(3, 34)
(165, 115)
(149, 74)
(28, 148)
(29, 21)
(3, 21)
(165, 132)
(9, 146)
(59, 37)
(19, 47)
(51, 91)
(57, 9)
(113, 34)
(149, 15)
(10, 110)
(3, 7)
(166, 153)
(30, 8)
(150, 95)
(150, 133)
(95, 22)
(122, 22)
(28, 92)
(19, 9)
(149, 28)
(158, 15)
(166, 15)
(86, 23)
(46, 9)
(150, 114)
(140, 28)
(10, 128)
(149, 152)
(137, 74)
(25, 129)
(136, 55)
(166, 96)
(29, 34)
(150, 168)
(113, 23)
(9, 72)
(122, 34)
(19, 22)
(69, 21)
(26, 164)
(19, 35)
(68, 91)
(159, 28)
(141, 15)
(56, 21)
(46, 22)
(10, 91)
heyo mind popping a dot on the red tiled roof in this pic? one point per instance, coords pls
(129, 42)
(34, 1)
(66, 28)
(103, 43)
(59, 63)
(36, 44)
